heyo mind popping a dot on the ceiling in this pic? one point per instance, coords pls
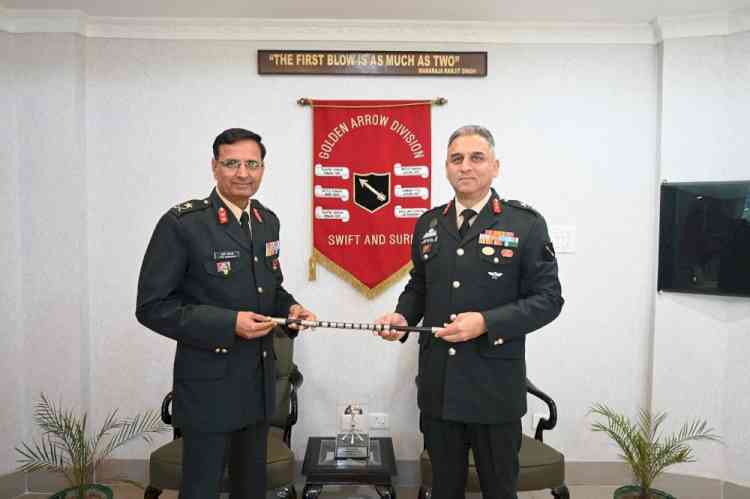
(615, 11)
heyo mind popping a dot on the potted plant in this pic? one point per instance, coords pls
(65, 446)
(646, 450)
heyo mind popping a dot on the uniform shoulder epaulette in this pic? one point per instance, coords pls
(520, 204)
(436, 209)
(431, 212)
(190, 206)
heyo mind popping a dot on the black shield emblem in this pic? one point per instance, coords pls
(372, 191)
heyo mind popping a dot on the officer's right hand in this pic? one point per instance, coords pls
(250, 325)
(388, 319)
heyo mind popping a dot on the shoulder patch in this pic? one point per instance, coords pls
(520, 204)
(190, 206)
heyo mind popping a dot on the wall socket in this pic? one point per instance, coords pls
(379, 420)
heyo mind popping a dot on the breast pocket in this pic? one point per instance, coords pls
(496, 265)
(509, 350)
(274, 266)
(196, 363)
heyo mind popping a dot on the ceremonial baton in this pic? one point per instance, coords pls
(353, 325)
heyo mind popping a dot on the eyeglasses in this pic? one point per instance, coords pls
(234, 164)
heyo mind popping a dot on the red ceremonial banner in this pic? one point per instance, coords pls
(371, 181)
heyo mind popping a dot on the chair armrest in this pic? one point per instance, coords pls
(295, 381)
(166, 414)
(544, 423)
(166, 408)
(295, 377)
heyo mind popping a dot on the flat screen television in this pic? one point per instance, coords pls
(704, 238)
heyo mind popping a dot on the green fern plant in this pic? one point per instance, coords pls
(66, 447)
(647, 451)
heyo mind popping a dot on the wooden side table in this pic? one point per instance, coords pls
(321, 468)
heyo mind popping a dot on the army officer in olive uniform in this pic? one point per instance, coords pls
(485, 271)
(210, 279)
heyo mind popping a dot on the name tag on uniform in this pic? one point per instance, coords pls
(272, 248)
(226, 254)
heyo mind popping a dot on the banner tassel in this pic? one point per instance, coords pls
(311, 269)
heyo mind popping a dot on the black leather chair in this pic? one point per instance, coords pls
(542, 467)
(165, 463)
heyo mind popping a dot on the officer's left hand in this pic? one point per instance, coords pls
(465, 327)
(297, 311)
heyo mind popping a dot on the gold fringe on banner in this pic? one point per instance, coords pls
(312, 273)
(370, 293)
(438, 101)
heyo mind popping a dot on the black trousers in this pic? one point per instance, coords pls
(205, 455)
(495, 450)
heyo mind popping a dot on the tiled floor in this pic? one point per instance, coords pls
(587, 492)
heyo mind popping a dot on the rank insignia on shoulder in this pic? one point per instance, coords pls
(224, 268)
(521, 204)
(188, 207)
(433, 222)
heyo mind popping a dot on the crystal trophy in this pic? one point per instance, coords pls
(353, 438)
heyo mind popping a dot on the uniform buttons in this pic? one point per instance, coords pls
(425, 256)
(260, 290)
(460, 252)
(453, 317)
(456, 284)
(265, 354)
(451, 351)
(499, 341)
(255, 259)
(496, 260)
(224, 350)
(218, 350)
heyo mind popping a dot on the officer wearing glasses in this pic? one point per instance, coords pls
(210, 280)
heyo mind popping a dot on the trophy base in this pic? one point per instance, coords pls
(352, 445)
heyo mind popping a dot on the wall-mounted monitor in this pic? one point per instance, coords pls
(704, 238)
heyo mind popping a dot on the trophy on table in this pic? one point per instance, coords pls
(353, 438)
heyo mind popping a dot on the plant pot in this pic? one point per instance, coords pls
(91, 492)
(634, 492)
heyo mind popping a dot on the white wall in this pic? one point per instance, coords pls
(109, 133)
(701, 343)
(51, 213)
(12, 339)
